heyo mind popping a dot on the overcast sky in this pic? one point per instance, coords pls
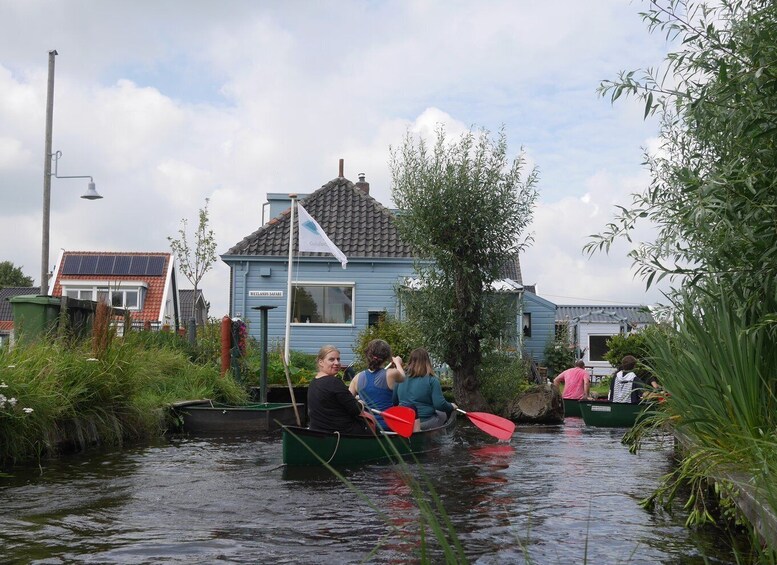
(167, 103)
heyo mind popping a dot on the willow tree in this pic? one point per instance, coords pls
(713, 194)
(464, 205)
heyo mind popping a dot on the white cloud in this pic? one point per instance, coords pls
(165, 107)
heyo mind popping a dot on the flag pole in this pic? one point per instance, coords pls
(293, 198)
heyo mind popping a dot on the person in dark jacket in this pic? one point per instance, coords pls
(331, 406)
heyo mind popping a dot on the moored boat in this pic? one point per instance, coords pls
(209, 417)
(304, 447)
(606, 414)
(572, 408)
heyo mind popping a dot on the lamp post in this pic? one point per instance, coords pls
(91, 192)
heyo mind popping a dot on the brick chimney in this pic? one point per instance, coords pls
(363, 185)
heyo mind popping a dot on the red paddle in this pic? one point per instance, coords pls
(499, 427)
(399, 419)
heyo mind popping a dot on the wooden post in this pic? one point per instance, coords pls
(226, 343)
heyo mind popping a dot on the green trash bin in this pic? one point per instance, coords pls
(33, 315)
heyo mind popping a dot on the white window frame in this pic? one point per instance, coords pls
(338, 284)
(96, 290)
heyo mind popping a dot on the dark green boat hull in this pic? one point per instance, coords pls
(572, 408)
(304, 447)
(610, 414)
(209, 417)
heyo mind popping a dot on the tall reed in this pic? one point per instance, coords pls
(73, 399)
(720, 374)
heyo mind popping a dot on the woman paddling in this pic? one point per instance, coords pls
(375, 385)
(423, 392)
(331, 407)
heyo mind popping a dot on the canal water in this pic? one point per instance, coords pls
(554, 494)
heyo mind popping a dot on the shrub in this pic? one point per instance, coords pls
(636, 344)
(403, 336)
(559, 352)
(502, 375)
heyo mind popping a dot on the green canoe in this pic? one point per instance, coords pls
(605, 414)
(305, 447)
(210, 417)
(572, 408)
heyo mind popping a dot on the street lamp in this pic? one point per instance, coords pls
(91, 192)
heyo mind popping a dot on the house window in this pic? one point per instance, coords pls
(374, 317)
(130, 298)
(527, 324)
(597, 347)
(322, 304)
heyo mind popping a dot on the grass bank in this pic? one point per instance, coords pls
(58, 394)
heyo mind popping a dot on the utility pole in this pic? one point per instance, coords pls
(44, 257)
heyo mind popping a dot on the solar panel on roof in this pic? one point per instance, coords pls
(72, 264)
(139, 264)
(155, 266)
(105, 264)
(122, 265)
(88, 265)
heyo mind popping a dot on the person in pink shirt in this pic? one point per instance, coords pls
(576, 382)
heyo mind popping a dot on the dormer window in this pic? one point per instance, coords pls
(120, 295)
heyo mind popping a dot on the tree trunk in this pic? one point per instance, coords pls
(540, 404)
(467, 389)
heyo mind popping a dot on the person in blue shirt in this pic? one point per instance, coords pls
(374, 386)
(422, 391)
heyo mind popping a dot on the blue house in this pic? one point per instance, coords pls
(539, 323)
(331, 304)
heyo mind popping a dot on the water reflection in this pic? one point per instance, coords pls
(555, 494)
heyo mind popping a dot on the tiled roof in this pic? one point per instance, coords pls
(355, 222)
(634, 315)
(186, 296)
(512, 270)
(6, 309)
(152, 304)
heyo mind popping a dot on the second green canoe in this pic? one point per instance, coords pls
(610, 414)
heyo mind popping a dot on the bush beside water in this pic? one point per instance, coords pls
(54, 394)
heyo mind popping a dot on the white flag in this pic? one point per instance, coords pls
(312, 237)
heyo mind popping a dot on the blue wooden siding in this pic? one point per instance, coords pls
(543, 322)
(374, 281)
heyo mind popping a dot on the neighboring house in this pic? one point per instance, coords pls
(591, 326)
(145, 284)
(6, 309)
(539, 323)
(191, 308)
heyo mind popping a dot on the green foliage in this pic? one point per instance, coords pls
(503, 375)
(559, 352)
(74, 399)
(194, 263)
(713, 199)
(636, 344)
(302, 366)
(464, 206)
(11, 275)
(713, 193)
(720, 376)
(403, 336)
